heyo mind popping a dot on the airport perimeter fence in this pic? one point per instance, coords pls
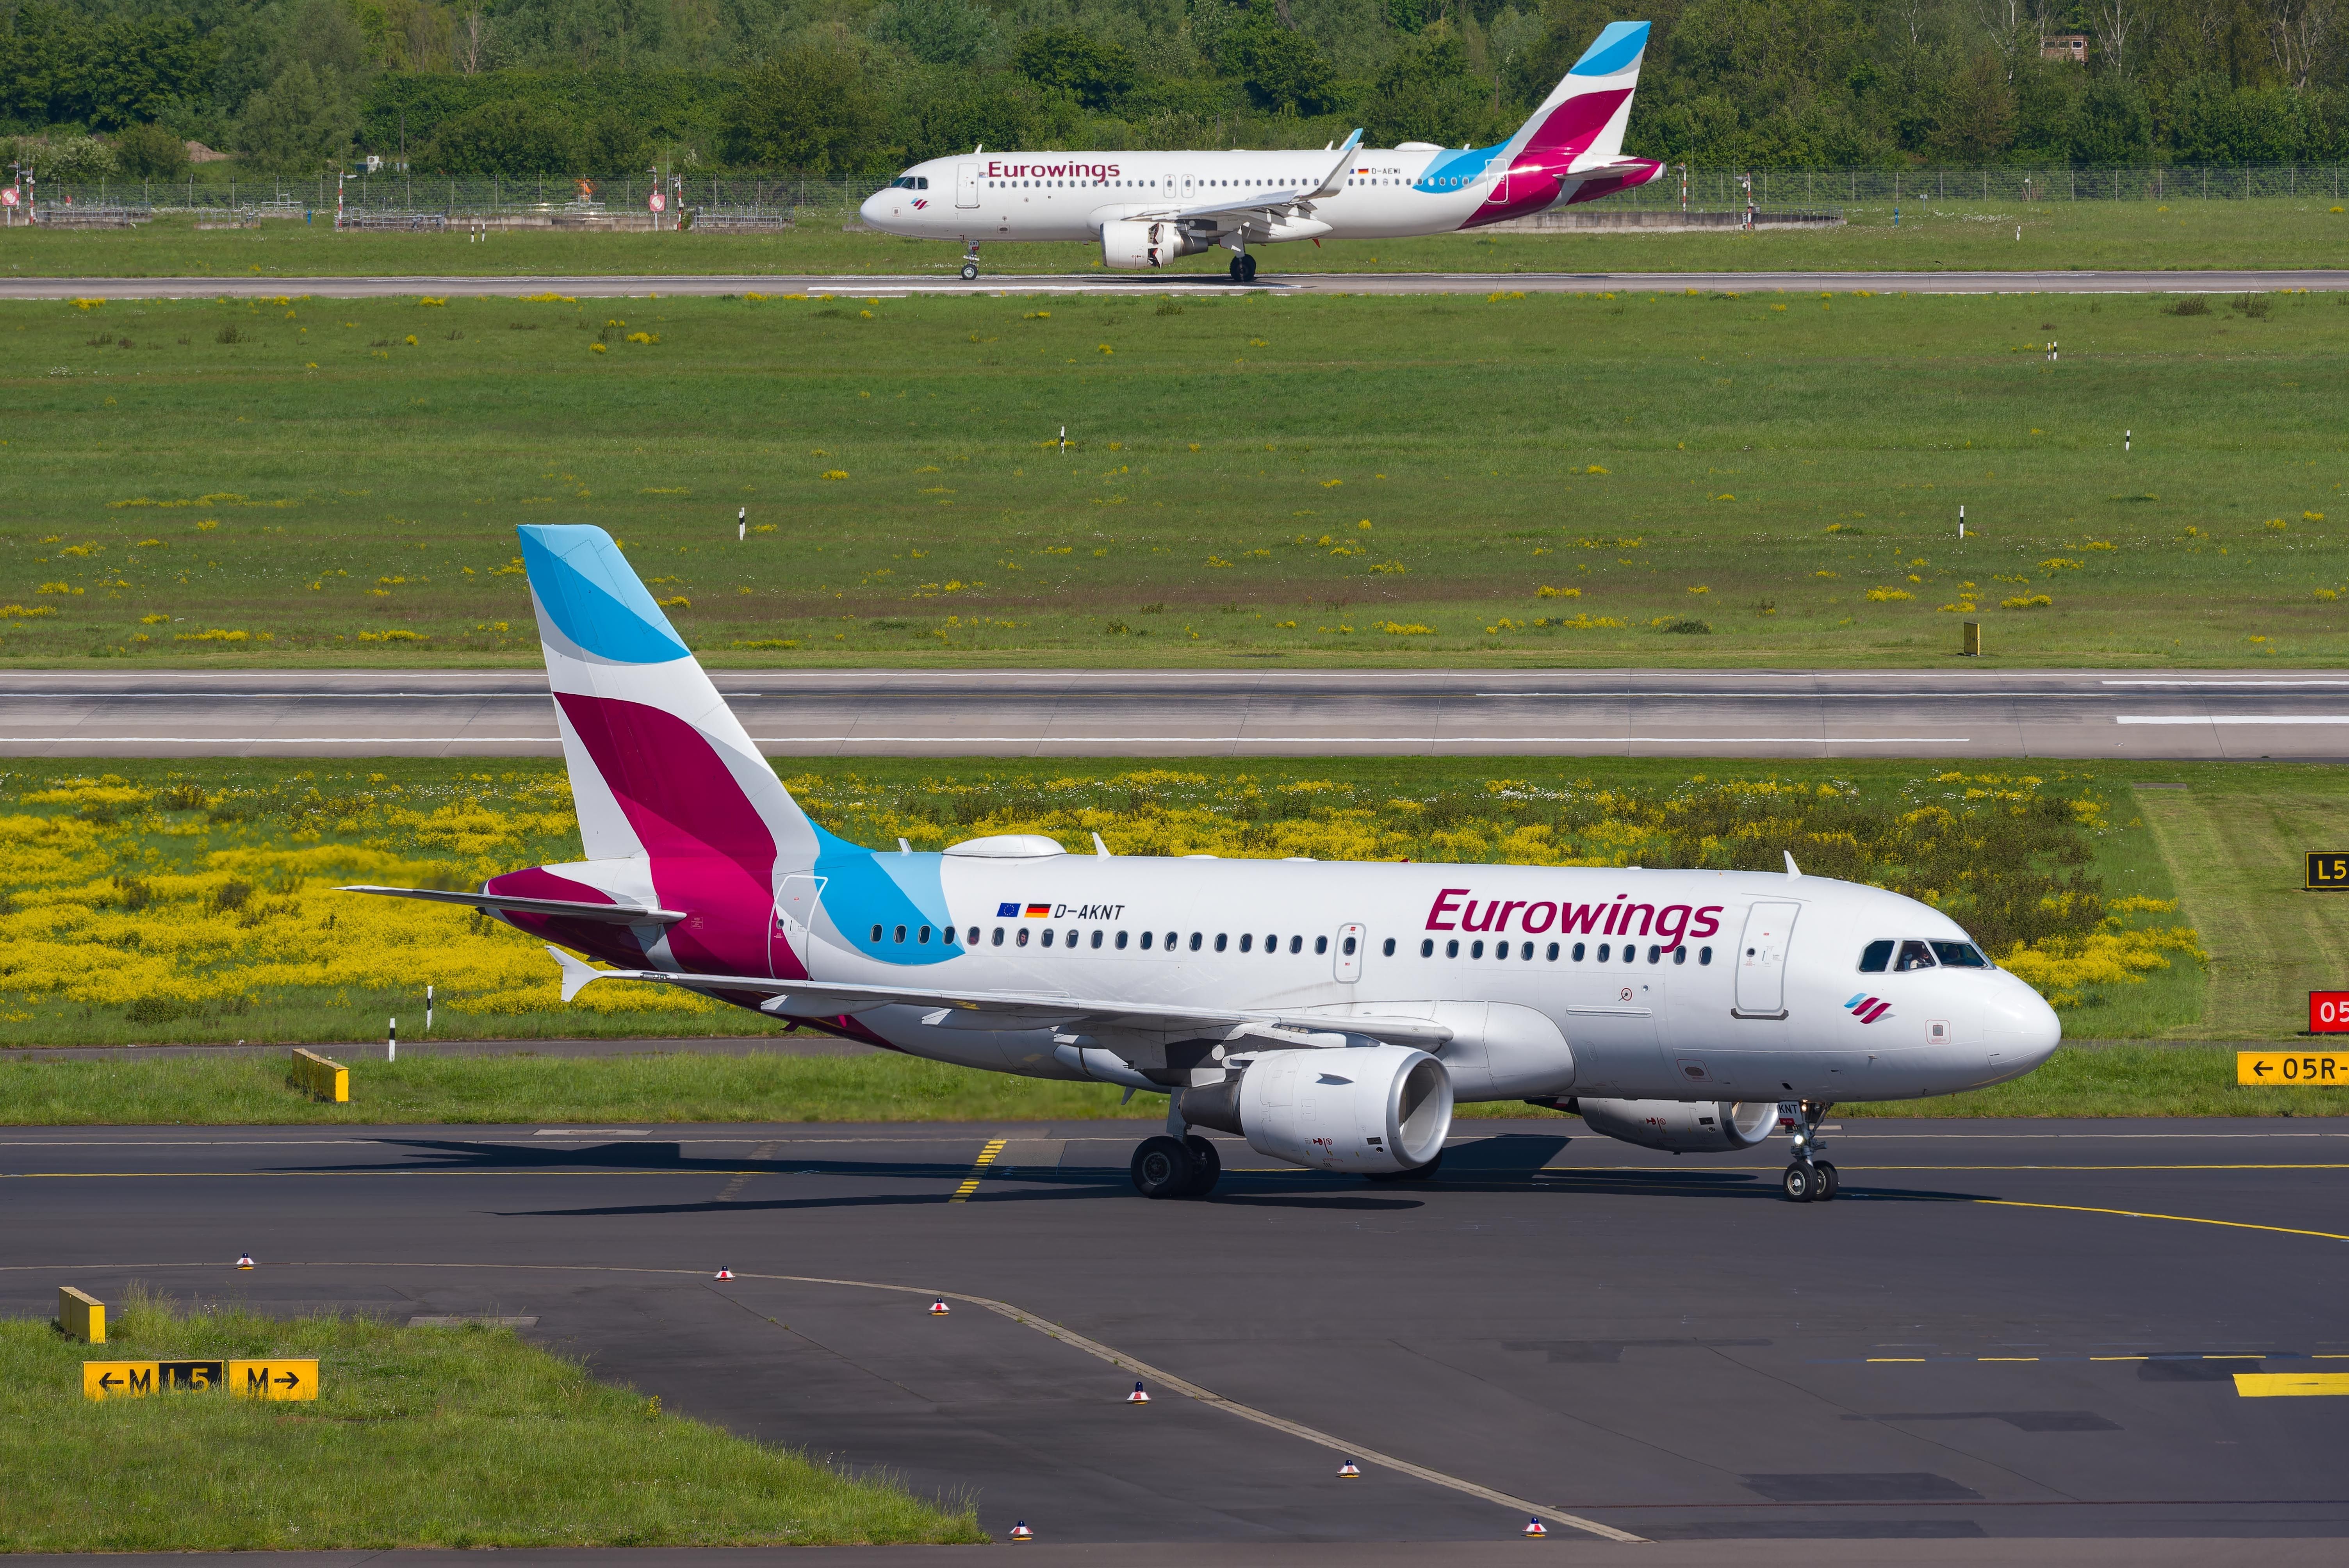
(391, 201)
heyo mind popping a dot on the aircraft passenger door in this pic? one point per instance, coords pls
(1762, 961)
(967, 185)
(1350, 953)
(788, 945)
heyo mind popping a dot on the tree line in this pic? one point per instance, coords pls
(602, 88)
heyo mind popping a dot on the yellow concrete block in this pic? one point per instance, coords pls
(279, 1378)
(81, 1316)
(320, 1078)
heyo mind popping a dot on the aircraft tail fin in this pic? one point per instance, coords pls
(660, 767)
(1580, 124)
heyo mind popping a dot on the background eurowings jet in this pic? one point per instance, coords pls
(1148, 209)
(1331, 1013)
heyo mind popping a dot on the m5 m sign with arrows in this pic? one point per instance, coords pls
(279, 1378)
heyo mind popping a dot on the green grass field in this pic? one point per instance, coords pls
(206, 890)
(418, 1438)
(1550, 480)
(1932, 235)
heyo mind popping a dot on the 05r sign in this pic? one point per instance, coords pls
(2328, 1012)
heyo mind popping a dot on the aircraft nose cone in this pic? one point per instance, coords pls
(2031, 1026)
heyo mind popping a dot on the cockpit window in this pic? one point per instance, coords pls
(1875, 956)
(910, 182)
(1913, 955)
(1960, 956)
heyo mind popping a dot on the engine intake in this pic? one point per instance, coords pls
(1137, 244)
(1369, 1110)
(1682, 1127)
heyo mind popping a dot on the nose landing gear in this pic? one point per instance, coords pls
(970, 261)
(1809, 1179)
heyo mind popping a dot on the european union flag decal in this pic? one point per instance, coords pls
(1007, 912)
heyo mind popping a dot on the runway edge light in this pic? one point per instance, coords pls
(1140, 1396)
(1020, 1531)
(244, 1260)
(939, 1308)
(723, 1273)
(1536, 1530)
(1350, 1470)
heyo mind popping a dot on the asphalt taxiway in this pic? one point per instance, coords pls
(2095, 1331)
(2118, 714)
(1272, 283)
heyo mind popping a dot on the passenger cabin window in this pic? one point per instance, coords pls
(1913, 955)
(1427, 947)
(1388, 951)
(1960, 956)
(1875, 957)
(1021, 940)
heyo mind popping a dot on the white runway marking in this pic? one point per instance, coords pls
(2232, 719)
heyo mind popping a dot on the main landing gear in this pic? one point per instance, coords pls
(1185, 1167)
(1243, 268)
(1808, 1179)
(970, 263)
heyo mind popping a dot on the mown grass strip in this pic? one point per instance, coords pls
(2125, 1079)
(419, 1437)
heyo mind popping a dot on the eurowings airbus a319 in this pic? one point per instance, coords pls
(1148, 209)
(1331, 1014)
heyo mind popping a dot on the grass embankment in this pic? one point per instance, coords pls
(1933, 235)
(419, 1437)
(1547, 479)
(196, 901)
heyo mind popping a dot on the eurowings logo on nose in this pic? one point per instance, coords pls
(920, 203)
(1866, 1008)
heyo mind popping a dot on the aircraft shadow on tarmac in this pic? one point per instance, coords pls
(1498, 1165)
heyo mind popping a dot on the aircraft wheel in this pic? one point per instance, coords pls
(1248, 269)
(1830, 1182)
(1237, 268)
(1802, 1181)
(1206, 1166)
(1417, 1173)
(1163, 1167)
(969, 271)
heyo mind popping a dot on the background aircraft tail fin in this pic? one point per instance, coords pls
(660, 765)
(1581, 123)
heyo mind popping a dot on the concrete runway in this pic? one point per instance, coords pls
(1271, 283)
(2121, 714)
(2026, 1331)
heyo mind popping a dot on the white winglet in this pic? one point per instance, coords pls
(1792, 869)
(577, 972)
(1099, 848)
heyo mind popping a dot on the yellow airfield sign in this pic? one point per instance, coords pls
(279, 1378)
(2292, 1069)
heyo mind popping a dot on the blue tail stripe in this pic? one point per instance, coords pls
(1613, 50)
(593, 596)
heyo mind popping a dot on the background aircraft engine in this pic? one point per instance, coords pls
(1137, 244)
(1367, 1110)
(1683, 1127)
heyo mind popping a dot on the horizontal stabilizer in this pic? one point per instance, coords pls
(568, 909)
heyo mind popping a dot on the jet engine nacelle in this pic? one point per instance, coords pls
(1683, 1127)
(1368, 1109)
(1137, 244)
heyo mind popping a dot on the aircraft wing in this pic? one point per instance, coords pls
(1266, 200)
(1024, 1010)
(569, 909)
